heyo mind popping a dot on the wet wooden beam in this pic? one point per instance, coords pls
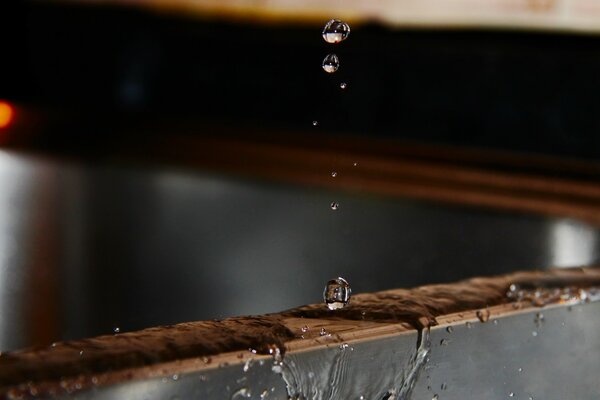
(91, 366)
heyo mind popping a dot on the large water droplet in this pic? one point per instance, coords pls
(334, 206)
(337, 293)
(331, 63)
(336, 31)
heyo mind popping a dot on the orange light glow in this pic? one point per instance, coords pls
(6, 114)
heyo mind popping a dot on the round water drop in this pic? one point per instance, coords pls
(435, 397)
(343, 85)
(333, 174)
(331, 63)
(315, 123)
(117, 329)
(511, 394)
(449, 329)
(337, 293)
(336, 31)
(334, 206)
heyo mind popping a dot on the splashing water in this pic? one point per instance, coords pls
(336, 31)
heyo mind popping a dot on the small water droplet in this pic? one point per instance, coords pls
(343, 85)
(539, 319)
(331, 63)
(534, 333)
(444, 386)
(323, 332)
(337, 293)
(315, 123)
(243, 393)
(355, 164)
(175, 377)
(444, 342)
(449, 329)
(304, 329)
(81, 353)
(483, 315)
(469, 324)
(520, 369)
(334, 206)
(495, 322)
(511, 394)
(344, 346)
(333, 174)
(336, 31)
(116, 329)
(435, 397)
(264, 394)
(530, 397)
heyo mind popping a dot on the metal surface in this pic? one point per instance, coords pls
(113, 246)
(520, 354)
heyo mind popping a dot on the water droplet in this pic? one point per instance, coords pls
(539, 318)
(343, 85)
(511, 394)
(248, 364)
(435, 397)
(534, 333)
(323, 332)
(468, 324)
(333, 174)
(483, 315)
(355, 164)
(444, 342)
(444, 386)
(117, 329)
(495, 322)
(175, 377)
(336, 31)
(264, 394)
(337, 293)
(331, 63)
(520, 369)
(304, 329)
(449, 329)
(334, 206)
(243, 393)
(315, 123)
(343, 346)
(81, 353)
(530, 397)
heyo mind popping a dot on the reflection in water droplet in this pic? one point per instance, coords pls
(335, 31)
(337, 293)
(331, 63)
(343, 85)
(334, 206)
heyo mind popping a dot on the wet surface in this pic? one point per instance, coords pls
(88, 249)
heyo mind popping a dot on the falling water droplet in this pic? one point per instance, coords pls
(449, 329)
(355, 164)
(520, 369)
(304, 329)
(444, 342)
(117, 329)
(539, 319)
(333, 174)
(334, 206)
(336, 31)
(534, 333)
(511, 394)
(444, 386)
(343, 85)
(331, 63)
(435, 397)
(337, 293)
(315, 123)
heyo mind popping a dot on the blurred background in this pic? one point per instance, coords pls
(170, 161)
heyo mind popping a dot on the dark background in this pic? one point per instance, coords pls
(88, 244)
